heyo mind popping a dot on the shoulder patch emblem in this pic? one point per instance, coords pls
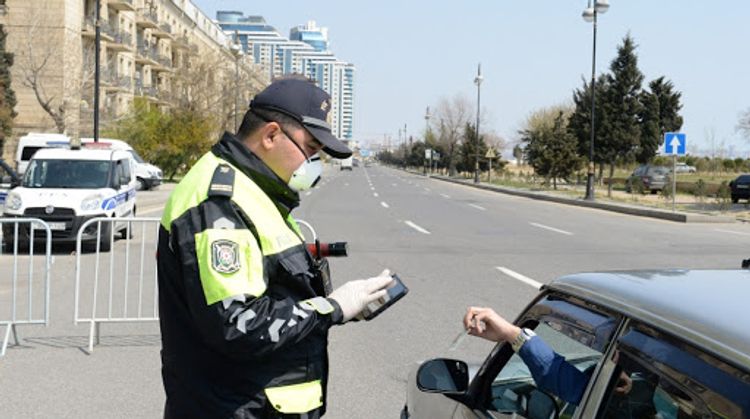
(225, 256)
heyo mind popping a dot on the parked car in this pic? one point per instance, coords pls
(347, 163)
(678, 336)
(740, 188)
(65, 188)
(684, 168)
(653, 178)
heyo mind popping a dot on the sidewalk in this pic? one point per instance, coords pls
(601, 203)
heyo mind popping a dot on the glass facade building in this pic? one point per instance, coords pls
(305, 52)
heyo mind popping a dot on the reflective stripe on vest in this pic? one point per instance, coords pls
(296, 398)
(230, 261)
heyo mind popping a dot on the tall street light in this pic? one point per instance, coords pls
(237, 51)
(478, 81)
(97, 69)
(590, 15)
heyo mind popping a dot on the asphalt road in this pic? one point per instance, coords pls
(453, 246)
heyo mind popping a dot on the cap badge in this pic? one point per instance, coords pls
(324, 106)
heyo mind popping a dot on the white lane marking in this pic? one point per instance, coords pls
(416, 227)
(394, 184)
(731, 232)
(516, 275)
(307, 193)
(372, 188)
(556, 230)
(384, 205)
(445, 196)
(478, 207)
(427, 189)
(375, 194)
(346, 183)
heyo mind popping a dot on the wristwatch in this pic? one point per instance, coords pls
(522, 337)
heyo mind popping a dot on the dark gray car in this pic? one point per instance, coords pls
(678, 338)
(649, 178)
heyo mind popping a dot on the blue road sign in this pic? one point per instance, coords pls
(675, 143)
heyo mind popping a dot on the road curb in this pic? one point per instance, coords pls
(680, 217)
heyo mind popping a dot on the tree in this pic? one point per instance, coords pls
(471, 149)
(660, 114)
(7, 96)
(579, 122)
(453, 115)
(518, 153)
(35, 59)
(621, 130)
(550, 149)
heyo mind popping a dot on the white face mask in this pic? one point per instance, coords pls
(307, 174)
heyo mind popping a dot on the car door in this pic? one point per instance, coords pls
(124, 201)
(579, 331)
(656, 374)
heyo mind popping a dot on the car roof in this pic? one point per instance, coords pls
(84, 154)
(707, 308)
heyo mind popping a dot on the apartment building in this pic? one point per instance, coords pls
(148, 49)
(305, 52)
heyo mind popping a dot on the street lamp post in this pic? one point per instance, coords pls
(426, 129)
(590, 15)
(97, 67)
(478, 81)
(237, 51)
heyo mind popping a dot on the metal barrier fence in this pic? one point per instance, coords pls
(117, 299)
(23, 311)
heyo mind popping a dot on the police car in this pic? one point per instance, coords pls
(65, 188)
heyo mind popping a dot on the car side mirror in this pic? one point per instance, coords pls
(447, 376)
(124, 180)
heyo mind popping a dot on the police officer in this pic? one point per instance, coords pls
(243, 317)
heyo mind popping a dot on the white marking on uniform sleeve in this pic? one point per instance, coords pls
(291, 323)
(243, 318)
(228, 301)
(273, 331)
(301, 313)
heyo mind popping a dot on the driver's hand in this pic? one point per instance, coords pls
(485, 323)
(624, 384)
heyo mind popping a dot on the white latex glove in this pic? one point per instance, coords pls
(355, 295)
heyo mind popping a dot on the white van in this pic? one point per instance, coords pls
(147, 175)
(66, 188)
(32, 142)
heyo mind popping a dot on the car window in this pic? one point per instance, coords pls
(660, 376)
(574, 332)
(743, 179)
(658, 171)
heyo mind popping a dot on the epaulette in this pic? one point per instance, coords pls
(222, 182)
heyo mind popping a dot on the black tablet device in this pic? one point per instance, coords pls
(396, 291)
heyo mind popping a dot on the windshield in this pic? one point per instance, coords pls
(78, 174)
(136, 157)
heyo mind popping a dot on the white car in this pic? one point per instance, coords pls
(684, 168)
(65, 188)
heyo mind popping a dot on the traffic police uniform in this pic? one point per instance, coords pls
(243, 314)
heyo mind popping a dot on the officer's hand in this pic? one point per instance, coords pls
(355, 295)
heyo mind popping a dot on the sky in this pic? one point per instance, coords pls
(410, 54)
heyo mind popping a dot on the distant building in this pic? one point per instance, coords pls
(305, 52)
(145, 44)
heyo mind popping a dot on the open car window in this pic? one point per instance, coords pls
(578, 334)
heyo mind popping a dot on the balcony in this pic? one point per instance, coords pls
(164, 63)
(181, 42)
(149, 92)
(115, 81)
(163, 31)
(121, 41)
(88, 29)
(122, 5)
(146, 55)
(146, 18)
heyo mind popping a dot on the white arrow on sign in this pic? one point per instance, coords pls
(675, 144)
